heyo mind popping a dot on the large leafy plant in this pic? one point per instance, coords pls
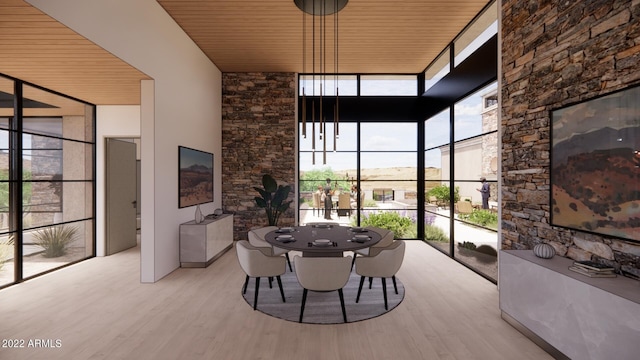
(273, 198)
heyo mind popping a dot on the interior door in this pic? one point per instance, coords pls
(120, 195)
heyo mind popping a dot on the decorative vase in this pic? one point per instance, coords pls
(544, 251)
(199, 217)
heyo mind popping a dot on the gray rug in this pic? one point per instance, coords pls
(324, 307)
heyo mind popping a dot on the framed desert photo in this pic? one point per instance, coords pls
(595, 165)
(195, 177)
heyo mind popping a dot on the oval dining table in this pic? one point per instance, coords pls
(304, 239)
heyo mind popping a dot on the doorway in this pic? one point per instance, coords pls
(122, 193)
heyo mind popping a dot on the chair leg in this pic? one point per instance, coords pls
(288, 262)
(354, 260)
(244, 287)
(395, 286)
(384, 291)
(270, 282)
(304, 300)
(360, 288)
(280, 286)
(344, 311)
(255, 298)
(370, 282)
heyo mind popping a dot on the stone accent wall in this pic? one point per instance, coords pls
(553, 54)
(258, 137)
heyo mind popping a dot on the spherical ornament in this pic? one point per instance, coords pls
(544, 251)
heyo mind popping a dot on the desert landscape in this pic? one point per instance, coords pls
(196, 185)
(597, 191)
(389, 177)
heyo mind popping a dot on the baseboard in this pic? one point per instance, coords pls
(557, 354)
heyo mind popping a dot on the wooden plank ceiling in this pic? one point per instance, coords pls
(375, 36)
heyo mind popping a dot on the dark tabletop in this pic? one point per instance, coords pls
(342, 238)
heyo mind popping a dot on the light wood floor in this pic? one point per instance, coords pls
(99, 310)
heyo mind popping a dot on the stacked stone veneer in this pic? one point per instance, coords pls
(555, 53)
(258, 137)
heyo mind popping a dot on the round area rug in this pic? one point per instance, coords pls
(324, 307)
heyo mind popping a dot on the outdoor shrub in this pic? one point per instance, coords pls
(55, 239)
(441, 193)
(467, 245)
(482, 217)
(429, 219)
(434, 233)
(389, 220)
(6, 249)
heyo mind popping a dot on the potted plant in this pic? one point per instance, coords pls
(273, 198)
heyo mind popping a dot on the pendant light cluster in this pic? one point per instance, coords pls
(316, 13)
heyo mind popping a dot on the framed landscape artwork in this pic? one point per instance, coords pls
(595, 165)
(195, 177)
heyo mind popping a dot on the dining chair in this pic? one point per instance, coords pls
(383, 265)
(256, 238)
(344, 205)
(322, 274)
(317, 204)
(256, 263)
(386, 236)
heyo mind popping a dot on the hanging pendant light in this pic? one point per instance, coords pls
(319, 10)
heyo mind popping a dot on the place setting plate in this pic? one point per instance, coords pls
(361, 238)
(285, 230)
(358, 229)
(285, 238)
(322, 243)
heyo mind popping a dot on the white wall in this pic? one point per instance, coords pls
(468, 167)
(113, 121)
(181, 106)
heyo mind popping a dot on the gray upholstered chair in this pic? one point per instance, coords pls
(383, 265)
(322, 274)
(387, 238)
(256, 238)
(256, 263)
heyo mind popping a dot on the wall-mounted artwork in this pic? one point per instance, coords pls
(195, 177)
(595, 165)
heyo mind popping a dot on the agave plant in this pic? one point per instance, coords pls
(273, 198)
(6, 249)
(55, 239)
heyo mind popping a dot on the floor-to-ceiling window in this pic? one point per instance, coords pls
(47, 181)
(419, 173)
(437, 178)
(372, 164)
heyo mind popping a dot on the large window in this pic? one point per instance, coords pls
(47, 184)
(416, 171)
(461, 226)
(378, 180)
(388, 85)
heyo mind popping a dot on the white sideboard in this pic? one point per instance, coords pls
(203, 243)
(581, 317)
